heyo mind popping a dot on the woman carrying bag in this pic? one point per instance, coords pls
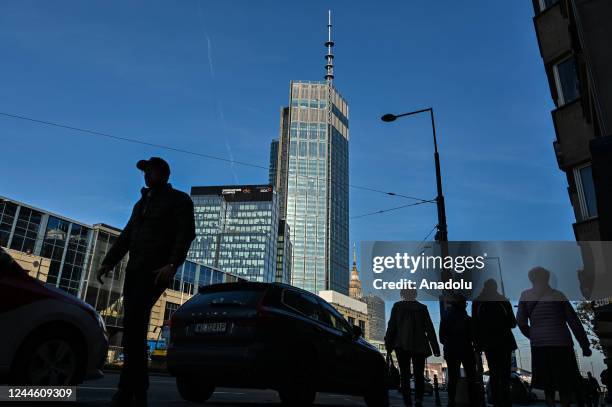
(412, 336)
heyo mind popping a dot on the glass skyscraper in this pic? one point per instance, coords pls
(310, 170)
(237, 230)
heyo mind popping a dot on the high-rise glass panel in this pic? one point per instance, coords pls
(236, 230)
(316, 179)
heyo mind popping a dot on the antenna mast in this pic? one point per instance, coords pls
(329, 44)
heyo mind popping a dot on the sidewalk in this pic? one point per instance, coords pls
(395, 400)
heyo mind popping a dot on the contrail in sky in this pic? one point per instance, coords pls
(218, 103)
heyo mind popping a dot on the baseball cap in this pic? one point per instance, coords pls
(154, 162)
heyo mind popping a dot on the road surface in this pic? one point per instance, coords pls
(162, 392)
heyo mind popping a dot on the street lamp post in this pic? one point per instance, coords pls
(442, 230)
(442, 233)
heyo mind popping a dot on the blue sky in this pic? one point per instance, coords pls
(211, 77)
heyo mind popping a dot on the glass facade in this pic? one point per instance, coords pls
(54, 245)
(283, 254)
(236, 230)
(8, 210)
(314, 188)
(273, 162)
(65, 242)
(107, 299)
(26, 229)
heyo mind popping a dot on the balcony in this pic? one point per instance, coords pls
(552, 30)
(573, 135)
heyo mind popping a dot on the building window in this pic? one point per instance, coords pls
(26, 230)
(7, 217)
(351, 321)
(362, 326)
(566, 80)
(170, 309)
(586, 191)
(544, 4)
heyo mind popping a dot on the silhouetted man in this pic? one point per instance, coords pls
(412, 336)
(456, 334)
(493, 320)
(157, 237)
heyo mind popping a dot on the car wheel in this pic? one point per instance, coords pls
(193, 390)
(49, 359)
(377, 396)
(297, 396)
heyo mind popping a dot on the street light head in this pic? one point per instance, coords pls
(388, 117)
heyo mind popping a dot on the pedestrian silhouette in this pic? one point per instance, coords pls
(604, 376)
(411, 334)
(543, 316)
(157, 238)
(456, 334)
(493, 320)
(593, 389)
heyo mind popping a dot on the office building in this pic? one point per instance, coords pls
(237, 230)
(36, 232)
(283, 254)
(355, 311)
(574, 41)
(272, 171)
(377, 317)
(311, 178)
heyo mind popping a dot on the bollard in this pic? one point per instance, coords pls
(436, 391)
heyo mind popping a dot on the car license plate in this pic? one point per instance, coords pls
(209, 327)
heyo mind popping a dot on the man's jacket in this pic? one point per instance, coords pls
(456, 333)
(159, 232)
(410, 328)
(493, 320)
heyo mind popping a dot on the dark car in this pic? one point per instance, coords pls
(269, 335)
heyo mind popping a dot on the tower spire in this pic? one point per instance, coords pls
(329, 44)
(355, 290)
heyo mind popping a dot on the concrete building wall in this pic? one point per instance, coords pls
(580, 31)
(353, 310)
(36, 266)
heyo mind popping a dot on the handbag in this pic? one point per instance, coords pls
(392, 376)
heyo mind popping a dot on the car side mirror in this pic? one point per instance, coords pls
(357, 331)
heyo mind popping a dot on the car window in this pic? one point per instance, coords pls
(302, 303)
(333, 318)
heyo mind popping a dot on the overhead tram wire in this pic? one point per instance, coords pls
(202, 155)
(134, 141)
(392, 209)
(429, 234)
